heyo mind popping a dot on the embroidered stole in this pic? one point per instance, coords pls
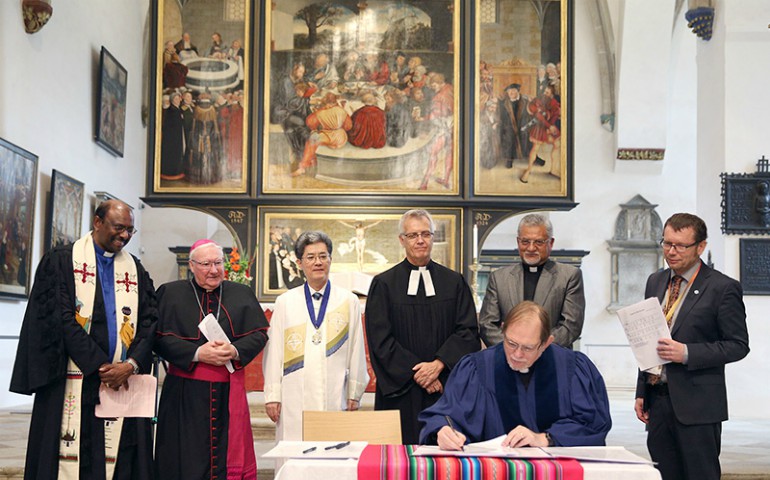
(334, 330)
(126, 312)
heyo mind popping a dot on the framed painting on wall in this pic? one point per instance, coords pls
(523, 141)
(361, 97)
(111, 104)
(65, 210)
(18, 181)
(201, 113)
(365, 243)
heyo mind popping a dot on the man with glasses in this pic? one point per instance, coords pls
(420, 320)
(534, 392)
(204, 428)
(88, 325)
(316, 358)
(557, 287)
(684, 402)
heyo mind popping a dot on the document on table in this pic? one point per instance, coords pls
(597, 454)
(136, 401)
(644, 324)
(488, 448)
(316, 450)
(494, 448)
(211, 329)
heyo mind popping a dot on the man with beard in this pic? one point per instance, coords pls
(420, 320)
(88, 325)
(513, 117)
(557, 287)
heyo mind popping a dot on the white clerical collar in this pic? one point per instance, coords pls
(108, 254)
(414, 282)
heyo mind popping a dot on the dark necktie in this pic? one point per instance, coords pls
(317, 295)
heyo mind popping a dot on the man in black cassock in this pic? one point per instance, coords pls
(58, 327)
(204, 429)
(420, 320)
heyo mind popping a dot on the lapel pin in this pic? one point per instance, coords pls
(696, 292)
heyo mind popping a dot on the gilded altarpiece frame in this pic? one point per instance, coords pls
(362, 97)
(521, 98)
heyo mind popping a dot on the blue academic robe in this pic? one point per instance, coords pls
(573, 405)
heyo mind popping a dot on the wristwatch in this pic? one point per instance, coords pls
(549, 438)
(131, 362)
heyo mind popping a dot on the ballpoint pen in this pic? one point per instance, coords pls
(337, 446)
(451, 425)
(311, 449)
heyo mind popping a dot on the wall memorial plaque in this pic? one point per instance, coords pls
(755, 266)
(746, 201)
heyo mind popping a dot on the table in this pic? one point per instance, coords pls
(298, 469)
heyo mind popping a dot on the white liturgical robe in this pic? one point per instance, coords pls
(305, 375)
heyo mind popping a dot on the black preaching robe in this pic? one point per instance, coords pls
(49, 335)
(185, 422)
(404, 330)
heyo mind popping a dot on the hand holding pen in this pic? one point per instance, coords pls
(449, 438)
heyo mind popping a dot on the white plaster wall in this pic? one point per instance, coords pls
(744, 32)
(48, 91)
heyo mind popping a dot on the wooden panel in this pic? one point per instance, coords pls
(377, 427)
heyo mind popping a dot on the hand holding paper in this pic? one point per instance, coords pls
(644, 325)
(218, 351)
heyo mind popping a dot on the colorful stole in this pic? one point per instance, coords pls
(336, 328)
(126, 308)
(241, 460)
(396, 462)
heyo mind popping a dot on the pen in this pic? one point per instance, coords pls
(311, 449)
(337, 446)
(452, 426)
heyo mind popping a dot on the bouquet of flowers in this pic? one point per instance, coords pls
(237, 269)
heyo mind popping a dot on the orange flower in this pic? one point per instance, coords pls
(235, 267)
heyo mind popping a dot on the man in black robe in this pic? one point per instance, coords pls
(420, 320)
(52, 333)
(514, 140)
(204, 430)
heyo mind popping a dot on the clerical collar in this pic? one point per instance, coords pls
(102, 252)
(532, 268)
(414, 281)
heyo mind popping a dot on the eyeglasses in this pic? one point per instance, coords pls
(526, 349)
(679, 248)
(311, 258)
(208, 265)
(120, 228)
(525, 242)
(412, 236)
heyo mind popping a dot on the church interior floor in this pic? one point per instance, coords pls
(745, 441)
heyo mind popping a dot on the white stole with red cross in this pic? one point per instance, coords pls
(126, 313)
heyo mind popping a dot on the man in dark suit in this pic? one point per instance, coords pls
(557, 287)
(685, 402)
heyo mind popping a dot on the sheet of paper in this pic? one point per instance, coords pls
(211, 329)
(644, 324)
(488, 448)
(597, 454)
(295, 449)
(137, 401)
